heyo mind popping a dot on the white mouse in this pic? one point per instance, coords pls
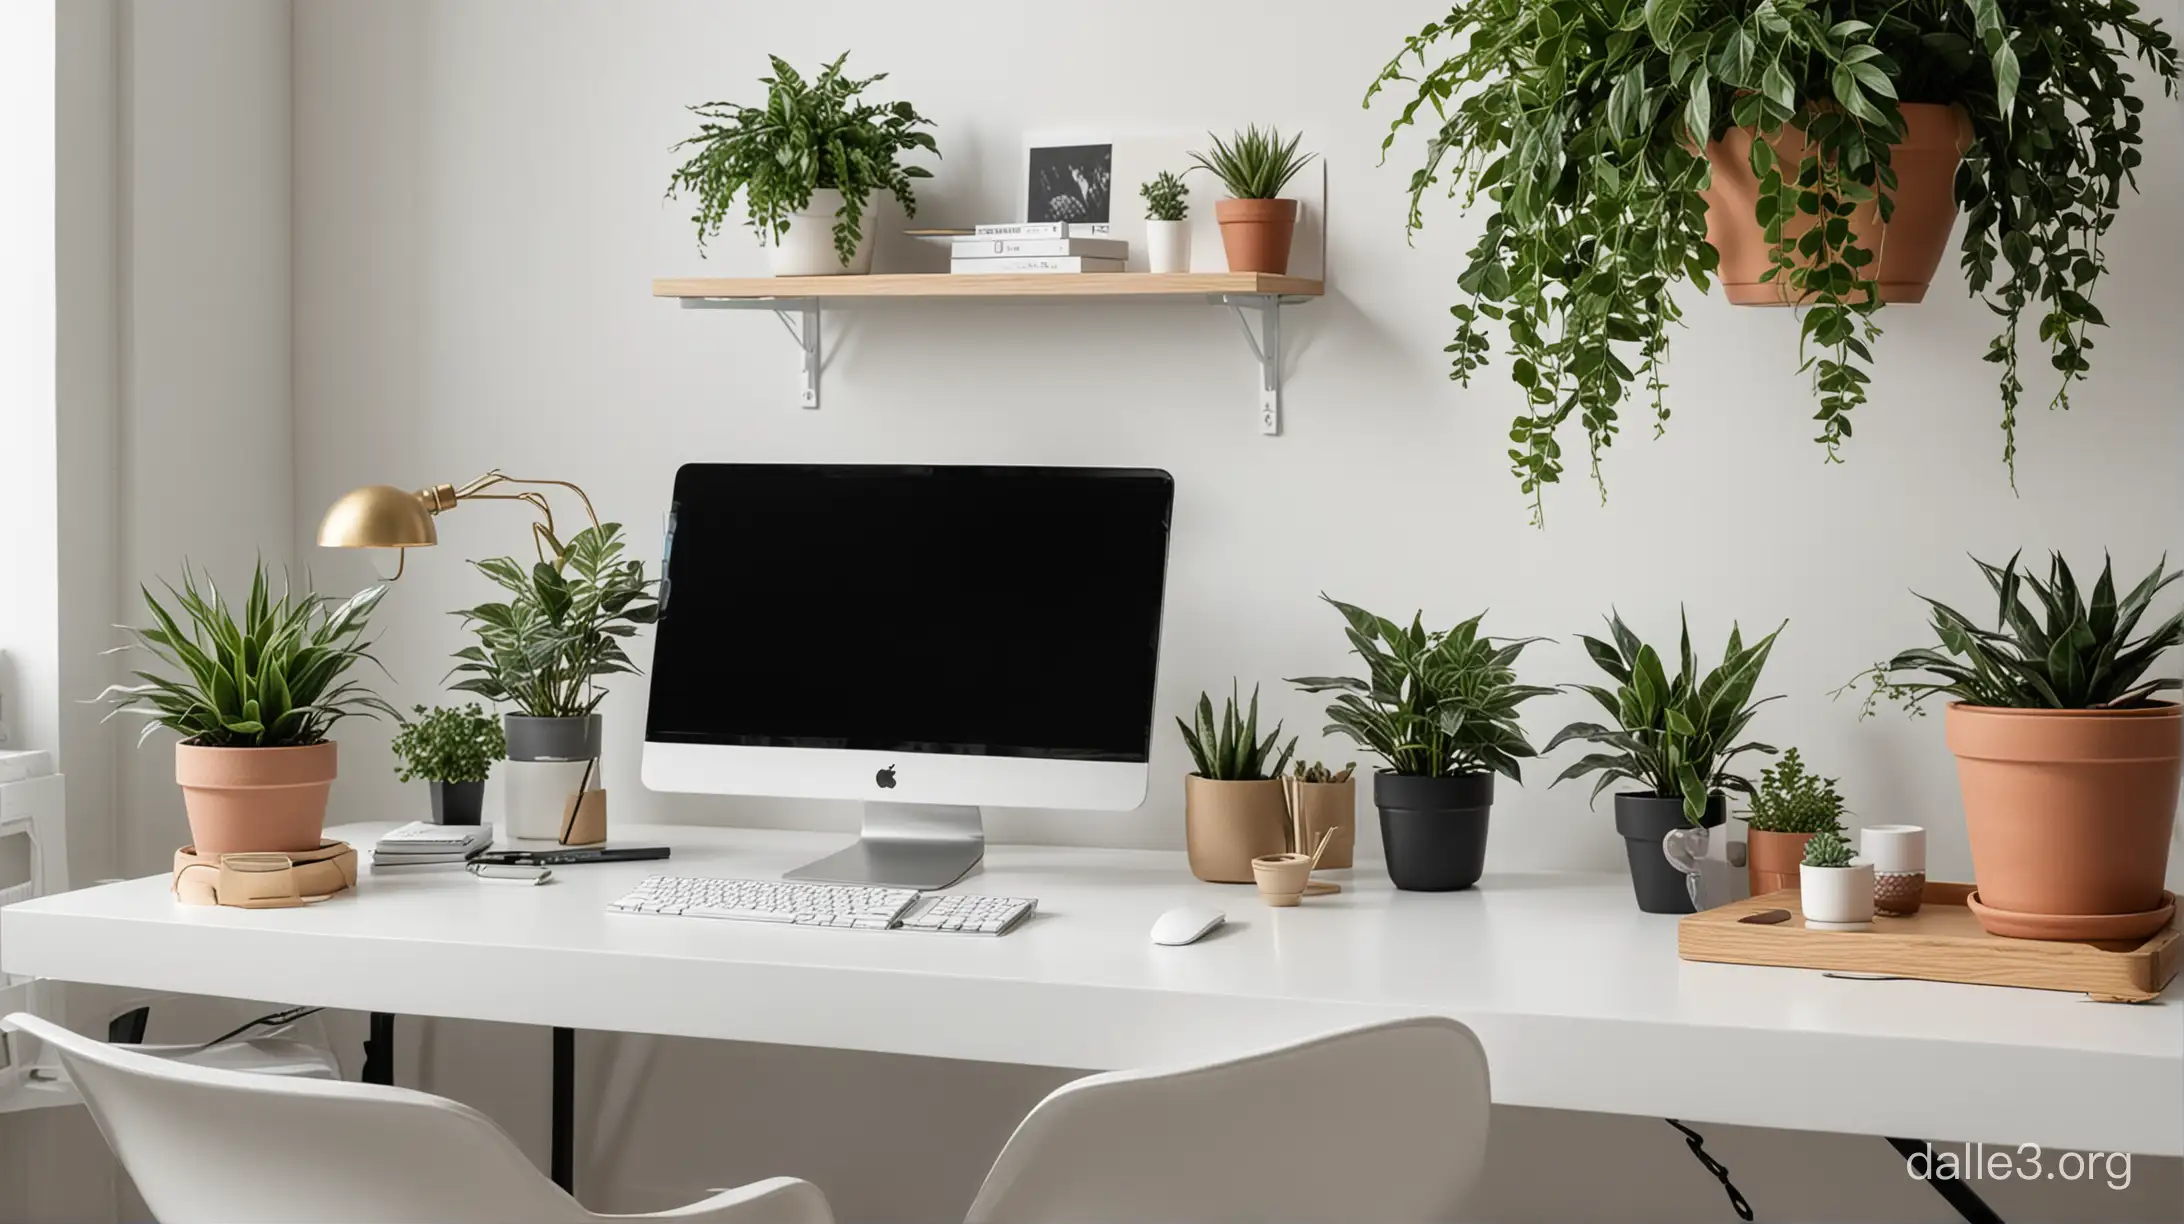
(1187, 924)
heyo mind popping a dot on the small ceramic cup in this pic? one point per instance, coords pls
(1282, 877)
(1898, 855)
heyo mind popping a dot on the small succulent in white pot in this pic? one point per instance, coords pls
(1835, 889)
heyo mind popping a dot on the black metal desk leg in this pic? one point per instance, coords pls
(1958, 1195)
(379, 1050)
(565, 1109)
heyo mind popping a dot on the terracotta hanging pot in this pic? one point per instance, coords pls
(255, 800)
(2069, 814)
(1255, 234)
(1910, 246)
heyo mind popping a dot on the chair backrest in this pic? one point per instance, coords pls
(206, 1146)
(1384, 1123)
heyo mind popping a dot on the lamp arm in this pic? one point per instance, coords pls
(543, 534)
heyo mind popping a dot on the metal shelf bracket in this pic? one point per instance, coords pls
(1266, 349)
(799, 316)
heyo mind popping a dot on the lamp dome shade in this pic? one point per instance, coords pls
(378, 516)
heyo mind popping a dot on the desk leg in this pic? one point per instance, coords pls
(379, 1050)
(1958, 1195)
(565, 1109)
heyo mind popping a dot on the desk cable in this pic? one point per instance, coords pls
(1697, 1143)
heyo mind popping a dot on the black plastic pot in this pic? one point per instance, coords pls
(458, 803)
(1644, 818)
(1434, 829)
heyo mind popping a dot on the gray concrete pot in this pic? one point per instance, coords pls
(552, 739)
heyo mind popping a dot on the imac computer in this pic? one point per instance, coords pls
(930, 640)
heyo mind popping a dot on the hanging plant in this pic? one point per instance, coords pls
(1587, 125)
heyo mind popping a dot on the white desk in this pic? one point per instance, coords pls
(1580, 999)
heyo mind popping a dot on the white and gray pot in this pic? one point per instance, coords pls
(550, 762)
(808, 248)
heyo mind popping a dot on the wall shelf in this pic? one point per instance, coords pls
(798, 301)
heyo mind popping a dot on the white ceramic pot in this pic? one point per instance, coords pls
(808, 248)
(1836, 898)
(1168, 246)
(1898, 855)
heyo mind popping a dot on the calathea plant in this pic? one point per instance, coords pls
(809, 135)
(1583, 124)
(545, 648)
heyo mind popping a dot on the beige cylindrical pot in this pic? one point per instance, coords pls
(1329, 805)
(2069, 813)
(255, 800)
(1255, 234)
(1228, 824)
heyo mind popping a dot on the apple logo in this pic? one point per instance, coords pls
(885, 778)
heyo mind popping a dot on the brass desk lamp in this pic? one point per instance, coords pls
(383, 516)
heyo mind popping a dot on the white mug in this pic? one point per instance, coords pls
(1893, 848)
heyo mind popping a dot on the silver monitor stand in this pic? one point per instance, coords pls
(906, 845)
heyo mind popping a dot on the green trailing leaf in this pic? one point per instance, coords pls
(2061, 650)
(1674, 735)
(1576, 130)
(809, 135)
(449, 744)
(265, 679)
(1432, 703)
(1253, 164)
(545, 650)
(1230, 750)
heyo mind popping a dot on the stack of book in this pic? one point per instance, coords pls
(418, 844)
(1038, 246)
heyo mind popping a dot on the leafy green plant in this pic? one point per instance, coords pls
(1827, 849)
(1431, 704)
(2071, 652)
(1252, 164)
(545, 648)
(1790, 800)
(1675, 737)
(1581, 123)
(810, 135)
(1231, 750)
(272, 678)
(1318, 772)
(449, 744)
(1166, 198)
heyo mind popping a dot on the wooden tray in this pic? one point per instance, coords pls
(1940, 943)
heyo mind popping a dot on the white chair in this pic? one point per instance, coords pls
(207, 1146)
(1384, 1124)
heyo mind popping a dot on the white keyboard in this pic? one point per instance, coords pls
(824, 905)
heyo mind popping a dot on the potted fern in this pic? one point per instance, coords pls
(452, 750)
(2068, 763)
(1233, 810)
(808, 165)
(254, 693)
(1257, 225)
(1676, 738)
(1167, 232)
(544, 651)
(1440, 708)
(1835, 889)
(1800, 152)
(1787, 808)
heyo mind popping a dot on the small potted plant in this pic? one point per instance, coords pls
(1256, 223)
(253, 697)
(808, 164)
(544, 651)
(1323, 799)
(453, 750)
(1676, 738)
(1167, 233)
(1787, 808)
(2068, 765)
(1440, 708)
(1232, 802)
(1835, 890)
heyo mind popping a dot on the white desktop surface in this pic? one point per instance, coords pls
(1579, 999)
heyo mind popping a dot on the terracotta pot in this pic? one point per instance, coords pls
(2068, 812)
(1228, 824)
(1329, 805)
(1256, 233)
(1771, 859)
(255, 800)
(1910, 246)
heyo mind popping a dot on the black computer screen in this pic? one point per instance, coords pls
(998, 611)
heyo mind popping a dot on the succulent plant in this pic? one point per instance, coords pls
(1317, 771)
(1231, 750)
(1827, 849)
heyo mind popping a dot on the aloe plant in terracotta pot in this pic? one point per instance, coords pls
(2068, 765)
(1257, 224)
(253, 692)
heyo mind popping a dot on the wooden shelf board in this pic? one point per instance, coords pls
(989, 285)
